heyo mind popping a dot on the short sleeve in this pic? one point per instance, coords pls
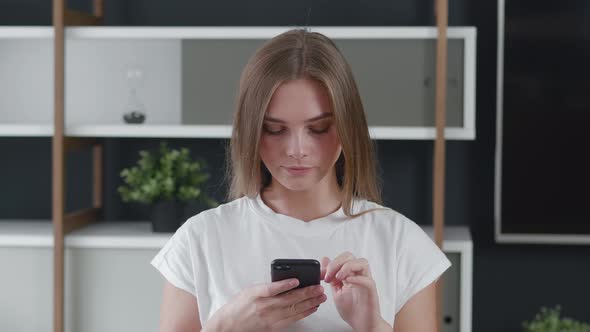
(419, 262)
(174, 261)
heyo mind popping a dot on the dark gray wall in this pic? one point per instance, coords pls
(511, 282)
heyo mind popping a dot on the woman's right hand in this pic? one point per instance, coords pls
(267, 307)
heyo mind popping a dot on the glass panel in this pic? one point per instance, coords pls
(396, 79)
(210, 76)
(195, 81)
(26, 81)
(108, 80)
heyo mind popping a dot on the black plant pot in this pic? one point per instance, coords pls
(166, 216)
(193, 208)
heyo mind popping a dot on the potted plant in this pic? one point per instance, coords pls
(167, 180)
(548, 320)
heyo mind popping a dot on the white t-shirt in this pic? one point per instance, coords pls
(220, 251)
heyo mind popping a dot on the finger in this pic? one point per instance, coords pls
(336, 264)
(276, 287)
(324, 266)
(363, 281)
(278, 302)
(298, 295)
(289, 320)
(359, 266)
(298, 307)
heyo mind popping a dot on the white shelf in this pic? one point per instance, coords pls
(259, 32)
(203, 32)
(21, 32)
(207, 131)
(456, 238)
(420, 133)
(26, 233)
(138, 235)
(141, 130)
(121, 235)
(224, 131)
(25, 130)
(106, 235)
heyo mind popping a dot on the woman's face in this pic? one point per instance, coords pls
(299, 143)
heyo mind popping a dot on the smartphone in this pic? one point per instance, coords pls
(306, 270)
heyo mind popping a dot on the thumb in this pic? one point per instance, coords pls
(324, 266)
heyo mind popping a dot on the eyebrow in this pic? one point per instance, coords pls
(319, 117)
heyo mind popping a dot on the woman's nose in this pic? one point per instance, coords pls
(297, 145)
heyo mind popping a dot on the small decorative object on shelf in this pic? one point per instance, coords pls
(135, 110)
(134, 118)
(548, 320)
(169, 181)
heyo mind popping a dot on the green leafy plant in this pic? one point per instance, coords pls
(548, 320)
(166, 174)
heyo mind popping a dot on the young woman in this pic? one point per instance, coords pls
(303, 184)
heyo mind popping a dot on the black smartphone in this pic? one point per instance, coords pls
(306, 270)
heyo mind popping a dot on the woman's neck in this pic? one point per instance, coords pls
(305, 205)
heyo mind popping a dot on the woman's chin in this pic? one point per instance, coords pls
(299, 184)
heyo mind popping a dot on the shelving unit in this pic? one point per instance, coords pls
(94, 107)
(77, 238)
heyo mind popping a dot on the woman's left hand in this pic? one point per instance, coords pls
(354, 291)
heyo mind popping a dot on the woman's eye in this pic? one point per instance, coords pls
(273, 131)
(313, 130)
(320, 130)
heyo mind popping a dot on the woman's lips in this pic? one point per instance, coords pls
(298, 170)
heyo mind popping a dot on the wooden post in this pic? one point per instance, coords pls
(438, 194)
(97, 8)
(58, 162)
(97, 152)
(62, 223)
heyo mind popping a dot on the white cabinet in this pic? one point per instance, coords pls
(458, 279)
(26, 288)
(111, 289)
(111, 286)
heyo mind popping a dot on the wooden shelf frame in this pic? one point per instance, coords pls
(438, 169)
(64, 223)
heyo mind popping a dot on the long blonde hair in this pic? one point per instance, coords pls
(298, 54)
